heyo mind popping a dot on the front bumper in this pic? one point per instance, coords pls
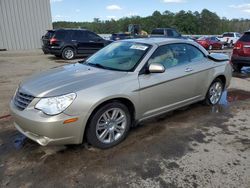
(47, 130)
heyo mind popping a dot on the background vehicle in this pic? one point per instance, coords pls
(230, 38)
(46, 39)
(120, 36)
(121, 84)
(134, 31)
(166, 33)
(69, 43)
(210, 43)
(241, 52)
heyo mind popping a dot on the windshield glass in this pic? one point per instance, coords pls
(120, 56)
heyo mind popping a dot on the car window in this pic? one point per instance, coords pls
(79, 35)
(170, 33)
(93, 36)
(170, 55)
(158, 32)
(238, 35)
(120, 56)
(245, 37)
(213, 38)
(49, 34)
(194, 53)
(175, 33)
(228, 35)
(60, 34)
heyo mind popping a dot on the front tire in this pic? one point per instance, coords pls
(68, 53)
(214, 92)
(109, 125)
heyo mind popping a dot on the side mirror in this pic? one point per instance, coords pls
(156, 68)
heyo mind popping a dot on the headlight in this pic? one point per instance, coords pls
(55, 105)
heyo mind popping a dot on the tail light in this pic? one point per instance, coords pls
(238, 46)
(52, 41)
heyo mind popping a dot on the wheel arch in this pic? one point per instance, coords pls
(127, 102)
(222, 78)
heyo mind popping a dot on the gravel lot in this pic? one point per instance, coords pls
(198, 146)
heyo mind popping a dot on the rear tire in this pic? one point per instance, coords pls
(237, 68)
(231, 44)
(214, 92)
(68, 53)
(109, 125)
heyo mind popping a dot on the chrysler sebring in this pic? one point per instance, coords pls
(126, 82)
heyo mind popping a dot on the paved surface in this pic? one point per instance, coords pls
(198, 146)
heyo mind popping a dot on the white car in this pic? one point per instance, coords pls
(230, 38)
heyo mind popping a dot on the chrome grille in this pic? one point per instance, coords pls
(22, 100)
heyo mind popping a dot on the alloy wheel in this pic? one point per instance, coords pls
(215, 92)
(111, 125)
(69, 54)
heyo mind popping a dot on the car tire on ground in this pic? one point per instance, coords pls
(214, 92)
(109, 125)
(210, 47)
(237, 68)
(68, 53)
(231, 44)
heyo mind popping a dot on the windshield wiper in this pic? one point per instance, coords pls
(97, 65)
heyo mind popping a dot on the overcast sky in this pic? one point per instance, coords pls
(86, 10)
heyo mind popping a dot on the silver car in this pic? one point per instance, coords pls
(125, 83)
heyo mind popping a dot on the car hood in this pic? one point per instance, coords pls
(67, 79)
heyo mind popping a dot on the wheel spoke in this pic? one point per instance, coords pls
(114, 114)
(101, 126)
(106, 116)
(111, 136)
(119, 129)
(121, 119)
(104, 134)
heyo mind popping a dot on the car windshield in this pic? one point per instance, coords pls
(120, 56)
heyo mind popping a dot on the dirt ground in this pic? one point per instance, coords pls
(198, 146)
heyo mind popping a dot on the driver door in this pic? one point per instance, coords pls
(177, 86)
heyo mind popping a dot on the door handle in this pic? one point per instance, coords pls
(188, 69)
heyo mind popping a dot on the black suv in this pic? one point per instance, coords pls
(165, 32)
(69, 43)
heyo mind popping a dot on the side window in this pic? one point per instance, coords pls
(176, 34)
(194, 53)
(79, 36)
(93, 36)
(170, 33)
(60, 34)
(170, 55)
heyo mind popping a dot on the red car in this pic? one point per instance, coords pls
(241, 52)
(211, 43)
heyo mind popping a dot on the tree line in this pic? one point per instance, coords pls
(186, 22)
